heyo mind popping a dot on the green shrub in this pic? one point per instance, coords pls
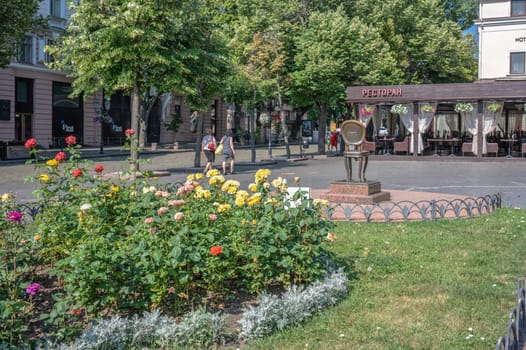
(124, 245)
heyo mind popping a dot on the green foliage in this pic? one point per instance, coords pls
(122, 245)
(17, 17)
(19, 256)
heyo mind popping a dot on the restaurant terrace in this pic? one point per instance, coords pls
(481, 119)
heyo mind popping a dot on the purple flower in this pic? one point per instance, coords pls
(33, 288)
(14, 216)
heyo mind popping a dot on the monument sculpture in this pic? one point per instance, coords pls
(360, 190)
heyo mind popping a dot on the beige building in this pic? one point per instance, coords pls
(502, 39)
(34, 101)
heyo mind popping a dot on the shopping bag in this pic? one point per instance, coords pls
(219, 149)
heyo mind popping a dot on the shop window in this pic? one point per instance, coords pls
(518, 7)
(517, 61)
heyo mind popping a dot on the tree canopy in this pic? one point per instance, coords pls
(17, 17)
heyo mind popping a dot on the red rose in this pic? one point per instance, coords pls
(99, 168)
(30, 143)
(71, 140)
(60, 156)
(216, 250)
(129, 132)
(77, 172)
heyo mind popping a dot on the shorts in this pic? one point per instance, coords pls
(210, 156)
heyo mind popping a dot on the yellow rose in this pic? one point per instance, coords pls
(240, 201)
(114, 188)
(52, 163)
(331, 236)
(252, 187)
(254, 199)
(44, 177)
(6, 197)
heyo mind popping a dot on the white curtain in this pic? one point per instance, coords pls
(424, 121)
(471, 125)
(441, 124)
(407, 120)
(451, 120)
(377, 121)
(490, 120)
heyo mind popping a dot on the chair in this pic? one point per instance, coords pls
(369, 146)
(492, 147)
(466, 147)
(401, 146)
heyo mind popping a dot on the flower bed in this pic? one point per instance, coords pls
(122, 247)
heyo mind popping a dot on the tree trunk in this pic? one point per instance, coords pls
(322, 128)
(284, 127)
(135, 103)
(198, 138)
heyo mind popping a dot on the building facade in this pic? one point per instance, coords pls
(495, 121)
(502, 39)
(34, 100)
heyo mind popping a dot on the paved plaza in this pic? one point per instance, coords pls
(408, 179)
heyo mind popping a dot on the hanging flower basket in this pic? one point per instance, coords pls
(427, 108)
(264, 118)
(366, 110)
(494, 107)
(463, 107)
(399, 109)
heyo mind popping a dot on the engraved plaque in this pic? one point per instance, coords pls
(353, 132)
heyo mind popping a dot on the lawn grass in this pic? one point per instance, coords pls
(446, 284)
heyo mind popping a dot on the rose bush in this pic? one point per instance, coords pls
(119, 245)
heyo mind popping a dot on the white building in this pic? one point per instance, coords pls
(502, 39)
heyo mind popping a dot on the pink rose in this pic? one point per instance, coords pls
(162, 210)
(30, 143)
(129, 132)
(176, 202)
(178, 216)
(71, 140)
(149, 220)
(212, 217)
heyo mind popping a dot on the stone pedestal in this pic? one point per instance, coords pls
(368, 192)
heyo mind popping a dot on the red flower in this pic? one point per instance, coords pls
(216, 250)
(71, 140)
(99, 168)
(77, 172)
(129, 132)
(30, 143)
(60, 156)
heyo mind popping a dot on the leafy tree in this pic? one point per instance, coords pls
(462, 12)
(144, 48)
(428, 47)
(17, 17)
(334, 52)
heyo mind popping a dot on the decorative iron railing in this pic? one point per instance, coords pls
(423, 210)
(516, 329)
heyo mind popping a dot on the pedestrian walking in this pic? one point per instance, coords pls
(228, 152)
(208, 147)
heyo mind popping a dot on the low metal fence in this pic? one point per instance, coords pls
(423, 210)
(516, 329)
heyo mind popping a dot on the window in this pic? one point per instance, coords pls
(517, 61)
(56, 8)
(25, 50)
(518, 7)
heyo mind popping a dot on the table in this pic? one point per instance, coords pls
(510, 145)
(452, 141)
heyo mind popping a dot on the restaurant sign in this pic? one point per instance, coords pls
(380, 92)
